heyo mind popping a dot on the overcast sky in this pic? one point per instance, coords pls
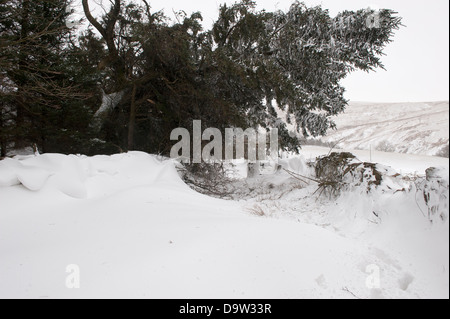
(417, 62)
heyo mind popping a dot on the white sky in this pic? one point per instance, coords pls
(417, 62)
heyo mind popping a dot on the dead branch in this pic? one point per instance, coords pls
(297, 176)
(350, 292)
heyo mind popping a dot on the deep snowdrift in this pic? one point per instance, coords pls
(136, 230)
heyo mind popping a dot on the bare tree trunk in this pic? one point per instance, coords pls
(132, 122)
(108, 33)
(20, 110)
(42, 132)
(2, 134)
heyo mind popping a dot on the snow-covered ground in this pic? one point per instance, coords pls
(403, 163)
(133, 229)
(414, 128)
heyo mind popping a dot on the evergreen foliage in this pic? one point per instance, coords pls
(169, 73)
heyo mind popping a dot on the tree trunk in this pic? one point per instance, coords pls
(2, 134)
(132, 122)
(42, 132)
(21, 135)
(108, 33)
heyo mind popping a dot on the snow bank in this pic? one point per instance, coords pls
(81, 177)
(8, 172)
(14, 172)
(297, 164)
(135, 230)
(436, 194)
(403, 163)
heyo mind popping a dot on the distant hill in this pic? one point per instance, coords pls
(414, 128)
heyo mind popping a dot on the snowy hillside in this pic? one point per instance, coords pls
(132, 228)
(414, 128)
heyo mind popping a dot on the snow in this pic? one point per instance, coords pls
(14, 173)
(403, 163)
(109, 102)
(413, 128)
(135, 230)
(8, 175)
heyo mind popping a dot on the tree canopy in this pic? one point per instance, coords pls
(252, 69)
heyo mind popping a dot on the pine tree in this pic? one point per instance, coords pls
(236, 74)
(298, 59)
(42, 93)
